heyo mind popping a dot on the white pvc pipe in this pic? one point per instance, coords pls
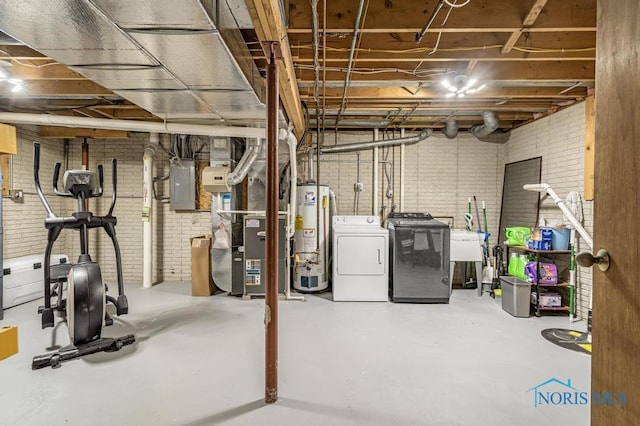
(131, 125)
(375, 211)
(402, 154)
(147, 209)
(544, 187)
(293, 168)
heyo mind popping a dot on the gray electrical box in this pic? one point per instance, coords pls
(182, 176)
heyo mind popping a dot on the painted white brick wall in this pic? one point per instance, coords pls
(171, 230)
(559, 140)
(24, 232)
(24, 222)
(440, 176)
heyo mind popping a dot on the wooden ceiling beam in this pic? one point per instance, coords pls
(79, 132)
(550, 71)
(20, 52)
(130, 114)
(268, 24)
(457, 30)
(452, 106)
(102, 113)
(479, 41)
(88, 113)
(399, 94)
(44, 71)
(528, 22)
(63, 88)
(463, 56)
(458, 115)
(488, 15)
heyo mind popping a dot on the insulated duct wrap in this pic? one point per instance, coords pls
(451, 129)
(490, 125)
(410, 140)
(485, 132)
(254, 146)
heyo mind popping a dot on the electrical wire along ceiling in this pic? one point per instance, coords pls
(352, 64)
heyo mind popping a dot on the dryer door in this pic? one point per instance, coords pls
(361, 255)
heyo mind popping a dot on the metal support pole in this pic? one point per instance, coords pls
(402, 166)
(271, 240)
(85, 166)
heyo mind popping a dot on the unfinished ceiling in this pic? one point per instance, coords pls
(525, 58)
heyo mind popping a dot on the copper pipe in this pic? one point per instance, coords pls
(271, 242)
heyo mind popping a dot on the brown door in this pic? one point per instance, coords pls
(616, 303)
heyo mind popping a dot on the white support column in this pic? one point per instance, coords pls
(147, 210)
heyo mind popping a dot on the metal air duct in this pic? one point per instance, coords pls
(254, 146)
(490, 125)
(450, 128)
(168, 57)
(485, 132)
(359, 146)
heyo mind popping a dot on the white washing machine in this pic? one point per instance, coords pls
(360, 259)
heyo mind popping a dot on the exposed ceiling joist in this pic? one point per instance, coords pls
(528, 22)
(63, 88)
(79, 132)
(533, 56)
(409, 16)
(434, 92)
(450, 30)
(267, 20)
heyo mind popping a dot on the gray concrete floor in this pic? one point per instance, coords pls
(200, 361)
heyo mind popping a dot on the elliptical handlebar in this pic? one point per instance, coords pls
(100, 182)
(56, 175)
(114, 184)
(36, 178)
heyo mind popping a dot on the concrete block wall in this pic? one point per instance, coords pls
(24, 232)
(559, 139)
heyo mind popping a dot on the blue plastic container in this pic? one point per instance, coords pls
(560, 238)
(546, 234)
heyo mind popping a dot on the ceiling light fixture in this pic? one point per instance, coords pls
(460, 86)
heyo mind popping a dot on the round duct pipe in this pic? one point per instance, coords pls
(254, 146)
(485, 133)
(377, 144)
(490, 125)
(450, 128)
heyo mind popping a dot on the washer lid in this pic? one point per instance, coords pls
(462, 235)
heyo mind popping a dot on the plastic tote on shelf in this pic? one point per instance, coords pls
(560, 238)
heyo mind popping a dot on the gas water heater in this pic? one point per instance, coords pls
(311, 238)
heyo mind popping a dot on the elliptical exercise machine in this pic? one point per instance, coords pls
(86, 298)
